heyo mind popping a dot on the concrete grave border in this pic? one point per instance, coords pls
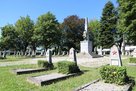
(49, 81)
(132, 64)
(128, 88)
(27, 71)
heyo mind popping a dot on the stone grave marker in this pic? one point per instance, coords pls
(72, 55)
(115, 57)
(71, 52)
(49, 56)
(134, 53)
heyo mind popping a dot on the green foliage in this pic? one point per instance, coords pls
(47, 30)
(132, 60)
(45, 64)
(127, 19)
(94, 27)
(9, 37)
(72, 31)
(67, 67)
(108, 25)
(114, 74)
(24, 27)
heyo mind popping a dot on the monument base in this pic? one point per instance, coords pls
(86, 46)
(86, 49)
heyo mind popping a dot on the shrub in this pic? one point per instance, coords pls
(67, 67)
(2, 58)
(45, 64)
(114, 74)
(132, 60)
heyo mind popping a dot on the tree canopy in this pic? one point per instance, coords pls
(108, 25)
(73, 28)
(47, 29)
(24, 27)
(127, 20)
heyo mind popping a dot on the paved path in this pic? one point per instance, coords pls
(88, 62)
(82, 60)
(101, 86)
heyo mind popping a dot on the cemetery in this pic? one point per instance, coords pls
(109, 75)
(77, 54)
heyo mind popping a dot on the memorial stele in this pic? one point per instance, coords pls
(86, 44)
(115, 57)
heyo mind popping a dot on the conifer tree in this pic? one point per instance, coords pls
(108, 25)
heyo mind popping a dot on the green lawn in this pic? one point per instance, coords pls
(12, 82)
(15, 58)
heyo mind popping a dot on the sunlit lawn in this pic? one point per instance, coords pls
(12, 82)
(16, 58)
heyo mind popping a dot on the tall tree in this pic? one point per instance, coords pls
(46, 30)
(24, 27)
(108, 25)
(94, 27)
(9, 38)
(9, 35)
(73, 28)
(127, 20)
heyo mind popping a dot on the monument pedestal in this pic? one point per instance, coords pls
(86, 50)
(86, 46)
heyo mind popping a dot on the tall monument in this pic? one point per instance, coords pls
(86, 44)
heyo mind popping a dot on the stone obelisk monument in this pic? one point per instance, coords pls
(86, 44)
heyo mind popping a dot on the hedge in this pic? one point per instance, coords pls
(45, 64)
(67, 67)
(132, 60)
(114, 74)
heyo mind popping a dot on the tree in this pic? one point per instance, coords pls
(46, 30)
(94, 27)
(73, 28)
(9, 38)
(108, 25)
(24, 27)
(127, 20)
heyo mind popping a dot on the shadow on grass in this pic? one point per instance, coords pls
(130, 80)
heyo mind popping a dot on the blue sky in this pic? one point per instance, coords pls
(11, 10)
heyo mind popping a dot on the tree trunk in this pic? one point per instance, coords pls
(14, 53)
(4, 54)
(44, 54)
(33, 53)
(0, 53)
(123, 46)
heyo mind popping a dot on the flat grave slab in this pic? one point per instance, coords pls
(26, 71)
(99, 85)
(49, 78)
(132, 64)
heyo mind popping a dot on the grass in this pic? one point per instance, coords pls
(15, 58)
(131, 71)
(12, 82)
(9, 81)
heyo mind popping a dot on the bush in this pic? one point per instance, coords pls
(114, 74)
(2, 58)
(45, 64)
(67, 67)
(132, 60)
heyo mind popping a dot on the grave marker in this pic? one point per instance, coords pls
(71, 52)
(49, 56)
(72, 55)
(134, 53)
(115, 57)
